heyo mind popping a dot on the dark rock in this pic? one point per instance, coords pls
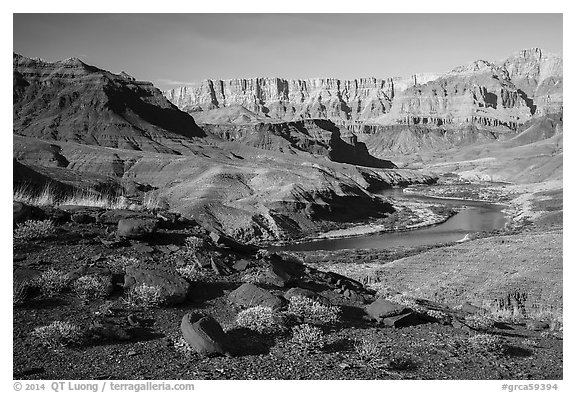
(22, 212)
(113, 217)
(249, 295)
(174, 287)
(403, 320)
(57, 215)
(382, 308)
(83, 218)
(536, 325)
(204, 334)
(135, 228)
(225, 241)
(306, 293)
(108, 331)
(241, 265)
(275, 276)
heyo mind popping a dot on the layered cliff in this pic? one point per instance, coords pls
(292, 100)
(72, 101)
(489, 95)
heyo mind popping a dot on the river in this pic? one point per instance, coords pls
(474, 217)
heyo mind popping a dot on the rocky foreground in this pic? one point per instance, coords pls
(177, 301)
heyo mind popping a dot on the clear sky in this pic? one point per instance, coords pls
(173, 49)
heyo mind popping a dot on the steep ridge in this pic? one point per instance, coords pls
(319, 137)
(72, 101)
(540, 76)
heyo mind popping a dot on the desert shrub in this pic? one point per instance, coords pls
(190, 272)
(58, 334)
(407, 301)
(439, 315)
(20, 291)
(479, 322)
(194, 243)
(252, 277)
(261, 319)
(313, 310)
(118, 263)
(486, 342)
(307, 338)
(32, 229)
(144, 295)
(91, 287)
(529, 342)
(368, 350)
(52, 282)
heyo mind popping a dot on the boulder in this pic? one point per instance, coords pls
(403, 320)
(173, 286)
(241, 265)
(225, 241)
(204, 335)
(382, 308)
(112, 217)
(21, 212)
(249, 295)
(134, 228)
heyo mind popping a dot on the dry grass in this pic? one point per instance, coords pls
(32, 229)
(49, 196)
(58, 334)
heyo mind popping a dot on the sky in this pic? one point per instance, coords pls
(171, 50)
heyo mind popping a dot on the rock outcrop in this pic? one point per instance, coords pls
(73, 101)
(318, 137)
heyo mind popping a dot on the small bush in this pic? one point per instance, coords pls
(479, 322)
(190, 272)
(307, 338)
(313, 310)
(407, 301)
(529, 342)
(487, 343)
(20, 292)
(32, 229)
(52, 282)
(252, 277)
(194, 243)
(118, 263)
(92, 287)
(260, 319)
(439, 315)
(58, 334)
(146, 296)
(368, 350)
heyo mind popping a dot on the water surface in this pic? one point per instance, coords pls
(475, 217)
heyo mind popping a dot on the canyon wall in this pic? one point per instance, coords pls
(490, 95)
